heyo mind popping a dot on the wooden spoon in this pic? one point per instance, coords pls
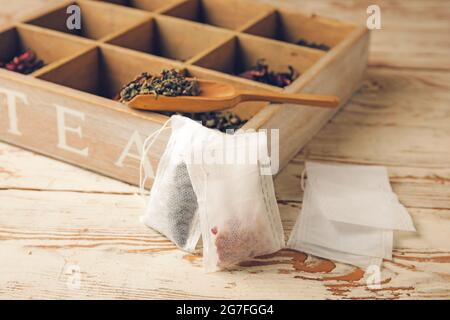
(217, 96)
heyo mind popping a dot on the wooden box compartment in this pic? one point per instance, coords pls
(166, 37)
(291, 27)
(49, 47)
(230, 14)
(67, 109)
(148, 5)
(103, 71)
(99, 20)
(243, 51)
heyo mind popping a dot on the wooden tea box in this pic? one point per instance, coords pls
(66, 109)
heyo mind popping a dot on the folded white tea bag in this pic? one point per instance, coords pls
(238, 211)
(364, 189)
(172, 206)
(348, 214)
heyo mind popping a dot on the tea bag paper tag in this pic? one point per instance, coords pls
(356, 176)
(315, 228)
(358, 195)
(348, 214)
(370, 208)
(314, 234)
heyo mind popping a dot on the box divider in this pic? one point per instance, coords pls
(170, 6)
(60, 49)
(46, 10)
(256, 20)
(59, 71)
(69, 37)
(212, 36)
(55, 65)
(118, 33)
(307, 50)
(211, 49)
(237, 80)
(137, 53)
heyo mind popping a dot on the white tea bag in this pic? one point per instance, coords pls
(172, 206)
(348, 214)
(238, 212)
(313, 231)
(362, 189)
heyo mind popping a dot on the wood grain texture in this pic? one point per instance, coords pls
(120, 258)
(54, 216)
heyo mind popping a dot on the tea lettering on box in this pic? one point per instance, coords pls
(11, 99)
(63, 129)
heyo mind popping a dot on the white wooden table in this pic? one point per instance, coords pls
(60, 224)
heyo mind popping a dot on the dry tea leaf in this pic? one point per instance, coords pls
(313, 45)
(24, 63)
(170, 83)
(261, 73)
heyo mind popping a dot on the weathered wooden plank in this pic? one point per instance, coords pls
(393, 146)
(399, 118)
(22, 169)
(400, 98)
(43, 234)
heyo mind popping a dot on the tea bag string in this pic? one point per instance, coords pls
(302, 179)
(148, 143)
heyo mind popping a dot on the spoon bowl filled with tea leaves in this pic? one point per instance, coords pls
(173, 91)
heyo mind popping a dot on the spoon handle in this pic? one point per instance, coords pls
(299, 98)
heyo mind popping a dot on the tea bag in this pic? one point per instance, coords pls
(172, 206)
(365, 189)
(239, 216)
(348, 214)
(313, 233)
